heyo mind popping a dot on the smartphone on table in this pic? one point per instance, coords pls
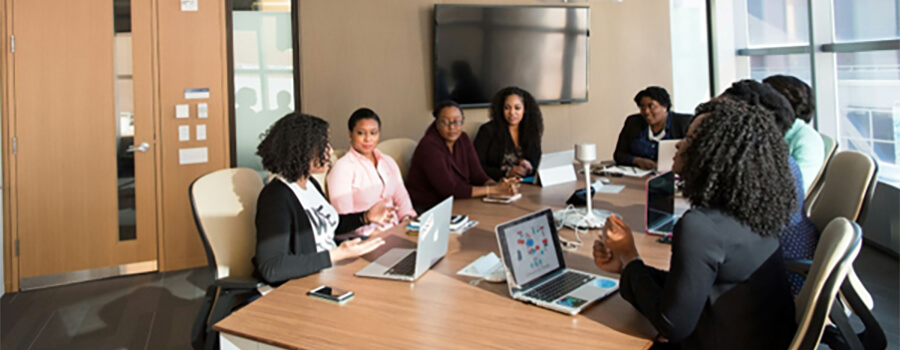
(331, 294)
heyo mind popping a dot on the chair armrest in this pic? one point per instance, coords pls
(234, 283)
(800, 266)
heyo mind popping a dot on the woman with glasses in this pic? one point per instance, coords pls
(510, 144)
(445, 164)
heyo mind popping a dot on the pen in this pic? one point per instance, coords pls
(632, 170)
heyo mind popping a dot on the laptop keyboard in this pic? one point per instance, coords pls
(559, 286)
(404, 267)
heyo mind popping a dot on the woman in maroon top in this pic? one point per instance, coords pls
(445, 163)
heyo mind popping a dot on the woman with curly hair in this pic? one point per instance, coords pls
(638, 143)
(510, 144)
(295, 225)
(726, 287)
(804, 142)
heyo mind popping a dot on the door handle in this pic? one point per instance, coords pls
(143, 147)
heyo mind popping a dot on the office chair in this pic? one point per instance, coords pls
(838, 247)
(224, 207)
(847, 188)
(830, 149)
(401, 150)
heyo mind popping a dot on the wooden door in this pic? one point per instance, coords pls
(64, 176)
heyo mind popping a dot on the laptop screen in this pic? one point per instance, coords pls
(530, 247)
(660, 199)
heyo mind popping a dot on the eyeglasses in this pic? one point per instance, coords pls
(447, 124)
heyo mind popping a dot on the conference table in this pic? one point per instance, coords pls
(445, 310)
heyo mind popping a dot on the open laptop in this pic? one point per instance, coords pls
(556, 168)
(666, 155)
(410, 264)
(660, 217)
(536, 271)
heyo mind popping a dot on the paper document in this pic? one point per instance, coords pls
(601, 187)
(629, 171)
(481, 266)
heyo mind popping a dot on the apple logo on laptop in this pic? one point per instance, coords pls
(427, 228)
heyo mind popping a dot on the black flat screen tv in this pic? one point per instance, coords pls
(479, 50)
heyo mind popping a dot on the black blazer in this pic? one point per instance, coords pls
(491, 149)
(726, 287)
(676, 128)
(285, 242)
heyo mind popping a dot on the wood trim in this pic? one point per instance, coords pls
(10, 261)
(226, 83)
(157, 131)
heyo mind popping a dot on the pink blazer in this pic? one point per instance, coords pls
(355, 184)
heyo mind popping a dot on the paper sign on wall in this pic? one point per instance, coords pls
(182, 111)
(184, 133)
(201, 132)
(189, 5)
(193, 155)
(202, 110)
(191, 94)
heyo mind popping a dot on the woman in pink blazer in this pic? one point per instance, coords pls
(364, 175)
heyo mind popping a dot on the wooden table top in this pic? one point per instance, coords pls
(445, 310)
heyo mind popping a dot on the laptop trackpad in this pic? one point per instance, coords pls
(385, 262)
(596, 289)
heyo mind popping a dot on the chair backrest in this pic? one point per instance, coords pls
(224, 206)
(847, 189)
(401, 150)
(838, 246)
(813, 192)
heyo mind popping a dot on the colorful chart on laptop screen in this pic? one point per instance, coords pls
(531, 249)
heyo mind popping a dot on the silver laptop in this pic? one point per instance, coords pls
(660, 215)
(410, 264)
(536, 271)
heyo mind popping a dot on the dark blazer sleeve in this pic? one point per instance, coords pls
(680, 124)
(476, 175)
(274, 260)
(675, 305)
(630, 131)
(533, 155)
(346, 222)
(486, 146)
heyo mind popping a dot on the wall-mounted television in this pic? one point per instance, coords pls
(479, 50)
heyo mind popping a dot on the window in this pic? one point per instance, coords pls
(263, 66)
(847, 50)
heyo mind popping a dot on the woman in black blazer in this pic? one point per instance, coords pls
(638, 143)
(510, 144)
(726, 286)
(295, 224)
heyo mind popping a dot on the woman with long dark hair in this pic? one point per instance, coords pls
(510, 144)
(726, 285)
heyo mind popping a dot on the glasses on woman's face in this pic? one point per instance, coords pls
(448, 123)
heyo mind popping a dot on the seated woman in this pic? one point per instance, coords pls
(364, 176)
(638, 143)
(805, 144)
(510, 144)
(800, 237)
(295, 225)
(445, 164)
(726, 287)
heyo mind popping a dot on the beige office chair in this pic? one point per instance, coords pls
(847, 188)
(838, 247)
(830, 149)
(401, 150)
(224, 208)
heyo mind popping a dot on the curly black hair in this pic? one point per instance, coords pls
(531, 128)
(755, 93)
(360, 114)
(292, 143)
(655, 93)
(799, 94)
(737, 162)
